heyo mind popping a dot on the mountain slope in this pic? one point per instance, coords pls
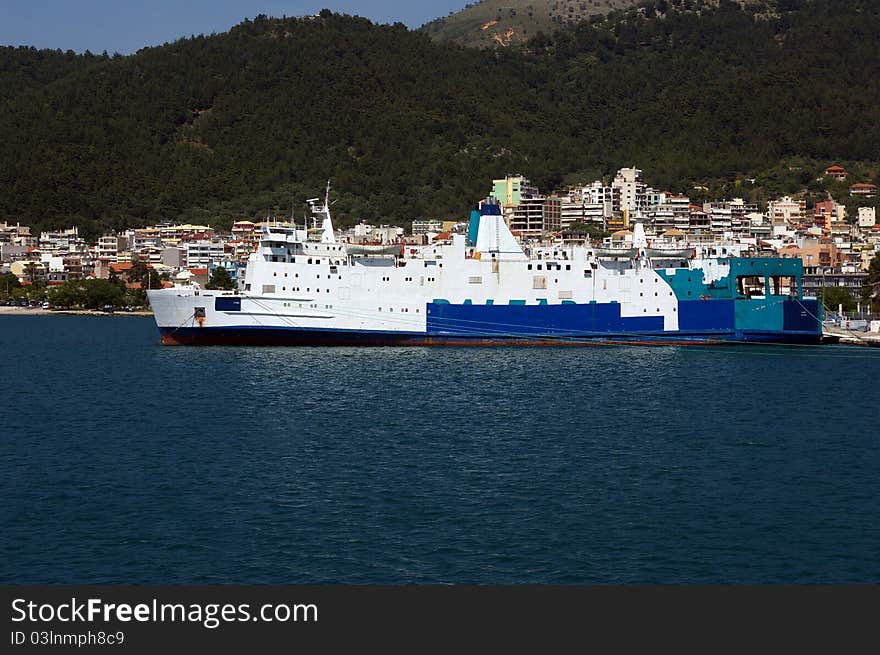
(493, 23)
(252, 121)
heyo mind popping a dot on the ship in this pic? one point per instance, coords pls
(485, 288)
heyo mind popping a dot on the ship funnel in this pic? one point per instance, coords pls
(494, 237)
(639, 238)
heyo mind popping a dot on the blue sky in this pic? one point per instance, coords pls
(125, 26)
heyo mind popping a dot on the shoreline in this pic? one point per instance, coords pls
(39, 311)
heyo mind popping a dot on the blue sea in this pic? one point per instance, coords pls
(124, 461)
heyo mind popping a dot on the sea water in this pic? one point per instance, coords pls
(124, 461)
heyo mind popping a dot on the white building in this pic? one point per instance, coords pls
(867, 217)
(201, 253)
(423, 226)
(786, 210)
(633, 191)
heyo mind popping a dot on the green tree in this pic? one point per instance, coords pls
(143, 272)
(8, 283)
(221, 279)
(833, 297)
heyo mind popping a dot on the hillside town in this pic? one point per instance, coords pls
(836, 248)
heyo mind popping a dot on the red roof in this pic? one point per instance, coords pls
(121, 266)
(166, 284)
(199, 271)
(863, 185)
(834, 168)
(133, 285)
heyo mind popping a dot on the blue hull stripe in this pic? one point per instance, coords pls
(701, 321)
(536, 320)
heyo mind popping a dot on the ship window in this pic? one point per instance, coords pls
(268, 288)
(530, 267)
(568, 267)
(783, 285)
(588, 273)
(750, 285)
(247, 287)
(475, 280)
(539, 267)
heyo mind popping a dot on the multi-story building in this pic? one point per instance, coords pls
(16, 235)
(511, 190)
(632, 190)
(202, 252)
(786, 210)
(527, 218)
(673, 214)
(561, 212)
(427, 225)
(867, 217)
(827, 212)
(523, 205)
(61, 241)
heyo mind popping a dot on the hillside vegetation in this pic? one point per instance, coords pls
(250, 122)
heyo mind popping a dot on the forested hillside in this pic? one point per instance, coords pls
(255, 120)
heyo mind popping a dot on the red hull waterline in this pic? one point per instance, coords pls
(219, 339)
